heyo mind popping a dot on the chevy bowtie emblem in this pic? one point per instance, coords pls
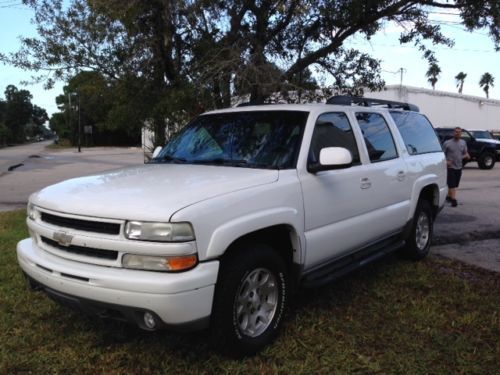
(63, 238)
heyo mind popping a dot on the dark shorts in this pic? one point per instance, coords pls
(454, 177)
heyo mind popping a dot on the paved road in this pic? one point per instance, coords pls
(42, 167)
(10, 156)
(469, 232)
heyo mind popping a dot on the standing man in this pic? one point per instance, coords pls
(455, 150)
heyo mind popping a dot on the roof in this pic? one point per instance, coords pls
(305, 107)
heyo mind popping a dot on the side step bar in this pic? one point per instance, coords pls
(340, 267)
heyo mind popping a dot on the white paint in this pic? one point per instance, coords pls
(335, 156)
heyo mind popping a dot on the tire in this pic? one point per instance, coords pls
(419, 241)
(241, 323)
(486, 160)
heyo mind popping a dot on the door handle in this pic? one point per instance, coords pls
(366, 183)
(401, 176)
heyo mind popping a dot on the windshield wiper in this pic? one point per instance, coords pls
(221, 161)
(169, 158)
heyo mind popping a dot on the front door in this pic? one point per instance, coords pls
(348, 208)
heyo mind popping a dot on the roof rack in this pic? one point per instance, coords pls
(370, 102)
(250, 103)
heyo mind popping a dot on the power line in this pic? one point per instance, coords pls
(12, 6)
(444, 13)
(436, 47)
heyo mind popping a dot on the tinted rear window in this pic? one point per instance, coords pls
(417, 132)
(378, 138)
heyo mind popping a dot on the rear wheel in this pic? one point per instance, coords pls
(250, 300)
(486, 160)
(419, 241)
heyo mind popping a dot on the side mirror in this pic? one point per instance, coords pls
(332, 158)
(156, 152)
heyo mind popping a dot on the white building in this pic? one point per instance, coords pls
(446, 109)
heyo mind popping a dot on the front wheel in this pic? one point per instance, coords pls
(486, 160)
(250, 300)
(419, 241)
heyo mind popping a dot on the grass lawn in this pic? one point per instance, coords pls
(436, 316)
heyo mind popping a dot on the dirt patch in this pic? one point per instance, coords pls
(465, 271)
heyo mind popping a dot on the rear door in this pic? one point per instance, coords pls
(387, 173)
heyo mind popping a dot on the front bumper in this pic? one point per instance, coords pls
(181, 299)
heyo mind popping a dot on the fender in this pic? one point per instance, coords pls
(219, 221)
(420, 184)
(227, 233)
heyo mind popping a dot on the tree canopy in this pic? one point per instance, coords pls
(19, 118)
(432, 74)
(172, 59)
(486, 81)
(460, 79)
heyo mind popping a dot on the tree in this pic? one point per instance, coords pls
(207, 51)
(4, 131)
(432, 74)
(19, 118)
(18, 111)
(486, 82)
(459, 79)
(39, 117)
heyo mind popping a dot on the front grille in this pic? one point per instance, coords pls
(81, 250)
(84, 225)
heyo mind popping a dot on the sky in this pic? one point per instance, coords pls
(473, 53)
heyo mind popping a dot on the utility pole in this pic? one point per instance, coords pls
(79, 123)
(79, 117)
(401, 70)
(69, 112)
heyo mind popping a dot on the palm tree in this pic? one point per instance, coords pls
(460, 78)
(433, 74)
(486, 82)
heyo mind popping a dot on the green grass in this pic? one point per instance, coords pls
(436, 316)
(54, 147)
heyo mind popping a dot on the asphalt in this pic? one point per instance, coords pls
(469, 232)
(38, 167)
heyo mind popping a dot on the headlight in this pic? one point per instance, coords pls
(31, 210)
(161, 232)
(159, 263)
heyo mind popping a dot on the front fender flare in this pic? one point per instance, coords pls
(224, 235)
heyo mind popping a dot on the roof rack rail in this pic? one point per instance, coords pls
(250, 103)
(370, 102)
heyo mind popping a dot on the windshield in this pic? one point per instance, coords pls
(257, 139)
(481, 134)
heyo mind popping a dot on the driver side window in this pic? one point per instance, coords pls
(333, 130)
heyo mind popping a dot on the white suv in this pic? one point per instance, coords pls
(241, 207)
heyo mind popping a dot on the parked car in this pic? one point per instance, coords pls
(495, 134)
(487, 136)
(240, 208)
(482, 151)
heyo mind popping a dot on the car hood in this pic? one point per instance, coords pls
(149, 192)
(492, 141)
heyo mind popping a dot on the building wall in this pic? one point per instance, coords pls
(446, 109)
